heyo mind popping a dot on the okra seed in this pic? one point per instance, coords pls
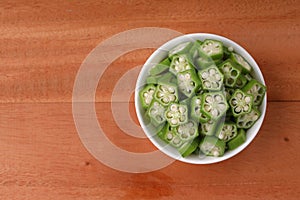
(209, 99)
(171, 90)
(198, 101)
(247, 99)
(181, 59)
(246, 108)
(218, 98)
(204, 75)
(226, 68)
(148, 101)
(207, 84)
(181, 77)
(237, 109)
(230, 48)
(214, 112)
(176, 68)
(173, 107)
(145, 95)
(169, 115)
(174, 121)
(169, 136)
(181, 109)
(176, 141)
(192, 131)
(212, 71)
(239, 95)
(207, 108)
(218, 77)
(165, 100)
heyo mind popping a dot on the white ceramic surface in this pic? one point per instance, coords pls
(161, 53)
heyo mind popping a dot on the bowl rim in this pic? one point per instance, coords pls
(192, 37)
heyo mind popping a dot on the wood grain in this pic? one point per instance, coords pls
(41, 153)
(42, 45)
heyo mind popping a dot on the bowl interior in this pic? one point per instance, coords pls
(150, 131)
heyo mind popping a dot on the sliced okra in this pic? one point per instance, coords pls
(156, 113)
(238, 140)
(212, 146)
(227, 131)
(166, 94)
(147, 95)
(209, 127)
(241, 61)
(187, 131)
(241, 103)
(182, 48)
(196, 112)
(211, 78)
(166, 78)
(231, 73)
(168, 135)
(211, 49)
(194, 51)
(247, 120)
(241, 81)
(203, 62)
(180, 63)
(176, 114)
(257, 90)
(189, 147)
(214, 104)
(188, 82)
(161, 67)
(151, 80)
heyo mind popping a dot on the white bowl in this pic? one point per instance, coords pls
(161, 53)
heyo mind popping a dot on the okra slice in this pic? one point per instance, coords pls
(214, 104)
(168, 135)
(180, 63)
(241, 103)
(187, 131)
(241, 61)
(166, 94)
(247, 120)
(188, 82)
(166, 79)
(196, 112)
(203, 62)
(211, 49)
(189, 147)
(161, 67)
(211, 78)
(209, 127)
(176, 114)
(227, 131)
(241, 81)
(182, 48)
(194, 51)
(146, 95)
(156, 113)
(231, 73)
(238, 140)
(257, 90)
(212, 146)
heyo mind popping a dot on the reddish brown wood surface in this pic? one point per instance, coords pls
(42, 45)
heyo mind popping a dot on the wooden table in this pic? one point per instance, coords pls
(42, 46)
